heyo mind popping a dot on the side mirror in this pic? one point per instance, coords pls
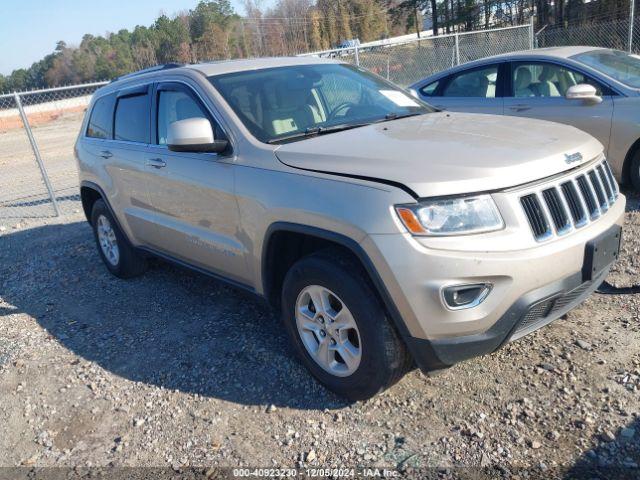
(193, 135)
(583, 92)
(414, 93)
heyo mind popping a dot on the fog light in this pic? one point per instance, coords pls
(465, 296)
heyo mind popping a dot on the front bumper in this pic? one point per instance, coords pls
(530, 312)
(531, 288)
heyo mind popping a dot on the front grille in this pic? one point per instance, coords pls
(572, 203)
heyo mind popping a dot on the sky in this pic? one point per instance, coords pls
(30, 29)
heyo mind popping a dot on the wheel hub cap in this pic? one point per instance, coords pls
(108, 241)
(328, 331)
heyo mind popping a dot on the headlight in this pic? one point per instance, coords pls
(451, 216)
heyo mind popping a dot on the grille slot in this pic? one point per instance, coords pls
(571, 201)
(602, 200)
(556, 209)
(587, 194)
(605, 182)
(576, 209)
(535, 215)
(612, 180)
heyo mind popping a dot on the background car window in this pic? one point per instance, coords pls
(475, 83)
(547, 80)
(132, 119)
(623, 66)
(174, 106)
(101, 120)
(430, 90)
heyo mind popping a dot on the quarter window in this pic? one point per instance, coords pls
(479, 83)
(430, 90)
(101, 120)
(132, 119)
(547, 80)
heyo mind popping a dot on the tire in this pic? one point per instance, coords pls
(383, 357)
(634, 171)
(120, 258)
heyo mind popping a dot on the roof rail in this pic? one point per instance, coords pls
(156, 68)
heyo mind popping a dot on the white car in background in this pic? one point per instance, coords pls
(596, 90)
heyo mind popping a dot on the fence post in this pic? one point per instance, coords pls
(357, 56)
(36, 152)
(533, 38)
(631, 22)
(457, 49)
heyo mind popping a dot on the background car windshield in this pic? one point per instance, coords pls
(281, 102)
(622, 66)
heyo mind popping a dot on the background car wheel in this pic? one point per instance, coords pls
(634, 171)
(117, 253)
(339, 327)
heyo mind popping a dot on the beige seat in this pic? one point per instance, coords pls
(546, 88)
(522, 83)
(288, 110)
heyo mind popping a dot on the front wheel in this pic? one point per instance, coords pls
(339, 328)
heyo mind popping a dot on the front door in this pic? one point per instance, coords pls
(538, 90)
(192, 194)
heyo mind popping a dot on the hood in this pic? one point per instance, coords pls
(447, 153)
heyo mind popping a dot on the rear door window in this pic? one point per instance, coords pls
(477, 83)
(101, 119)
(132, 118)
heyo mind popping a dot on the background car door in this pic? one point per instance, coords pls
(193, 193)
(538, 89)
(477, 90)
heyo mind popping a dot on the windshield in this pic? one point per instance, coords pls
(621, 66)
(289, 103)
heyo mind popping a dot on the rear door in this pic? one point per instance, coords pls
(476, 90)
(537, 90)
(117, 139)
(192, 194)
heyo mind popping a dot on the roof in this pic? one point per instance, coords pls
(230, 66)
(562, 52)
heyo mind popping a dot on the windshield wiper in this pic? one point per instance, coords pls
(316, 131)
(396, 116)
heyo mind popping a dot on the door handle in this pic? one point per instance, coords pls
(520, 108)
(106, 154)
(156, 163)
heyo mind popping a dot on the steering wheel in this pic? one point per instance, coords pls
(343, 106)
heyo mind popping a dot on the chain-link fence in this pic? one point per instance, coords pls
(38, 176)
(411, 60)
(619, 34)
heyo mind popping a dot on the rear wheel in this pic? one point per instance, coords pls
(339, 328)
(116, 252)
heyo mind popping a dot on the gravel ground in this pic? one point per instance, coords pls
(176, 370)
